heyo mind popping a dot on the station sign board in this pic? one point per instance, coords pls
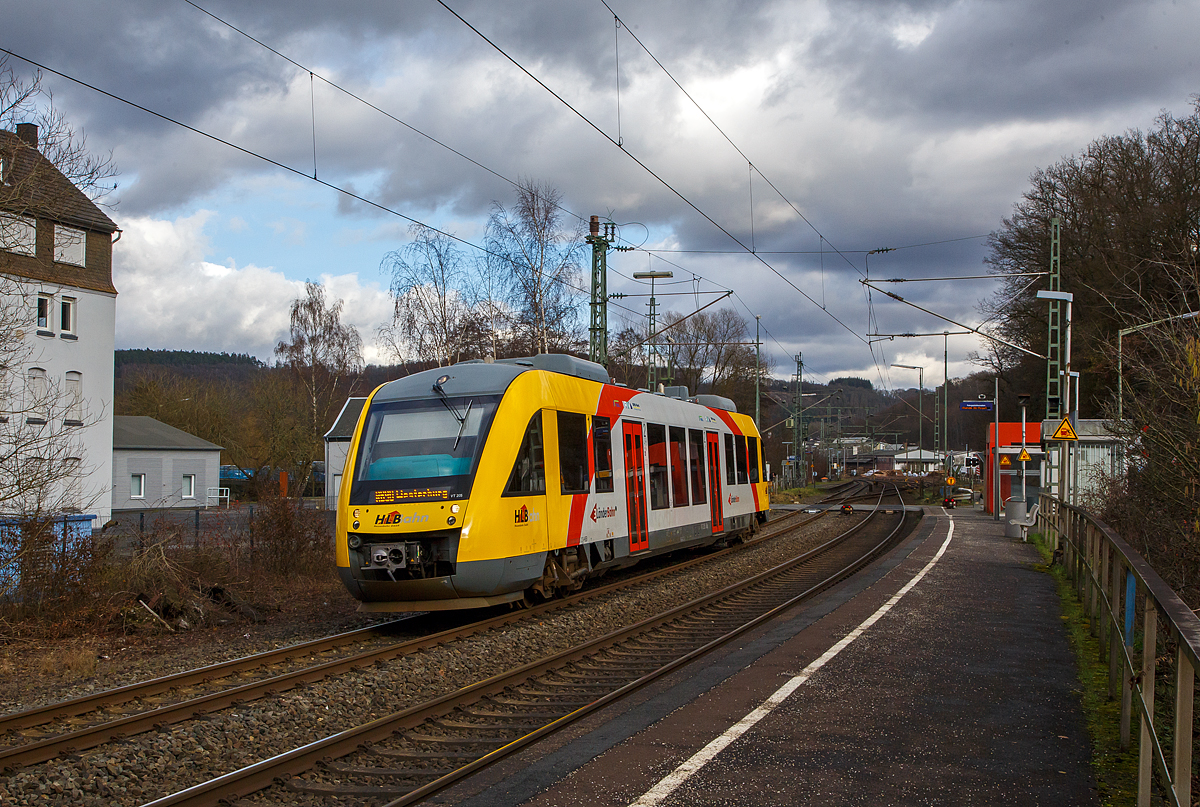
(977, 406)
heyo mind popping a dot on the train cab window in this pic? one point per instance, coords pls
(730, 463)
(696, 453)
(752, 450)
(602, 449)
(573, 452)
(739, 442)
(529, 471)
(678, 455)
(656, 444)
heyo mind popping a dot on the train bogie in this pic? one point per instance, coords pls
(479, 483)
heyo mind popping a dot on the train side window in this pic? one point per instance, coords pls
(529, 471)
(656, 443)
(696, 444)
(730, 465)
(752, 449)
(572, 452)
(740, 451)
(602, 448)
(679, 483)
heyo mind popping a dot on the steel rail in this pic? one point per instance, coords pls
(241, 783)
(18, 756)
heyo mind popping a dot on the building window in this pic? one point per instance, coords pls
(137, 486)
(37, 392)
(74, 391)
(18, 234)
(188, 488)
(44, 303)
(73, 485)
(66, 316)
(70, 245)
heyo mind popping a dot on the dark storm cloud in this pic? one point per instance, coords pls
(1027, 59)
(876, 119)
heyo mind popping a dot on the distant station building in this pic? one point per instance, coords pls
(56, 262)
(156, 466)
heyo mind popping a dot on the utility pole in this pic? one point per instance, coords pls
(757, 371)
(652, 352)
(797, 388)
(946, 402)
(1054, 402)
(598, 330)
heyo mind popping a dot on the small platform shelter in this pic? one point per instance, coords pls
(1011, 466)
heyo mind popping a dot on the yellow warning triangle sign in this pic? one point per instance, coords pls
(1065, 432)
(1024, 456)
(1005, 462)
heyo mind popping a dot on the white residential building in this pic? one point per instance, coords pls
(56, 262)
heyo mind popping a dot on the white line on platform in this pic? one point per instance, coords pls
(668, 784)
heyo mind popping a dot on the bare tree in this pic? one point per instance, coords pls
(543, 259)
(324, 355)
(431, 291)
(711, 353)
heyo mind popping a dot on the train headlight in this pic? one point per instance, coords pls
(355, 541)
(355, 525)
(454, 508)
(450, 520)
(355, 512)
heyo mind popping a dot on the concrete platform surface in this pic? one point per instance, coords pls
(962, 691)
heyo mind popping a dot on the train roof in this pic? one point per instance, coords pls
(478, 377)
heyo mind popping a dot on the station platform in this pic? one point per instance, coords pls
(941, 675)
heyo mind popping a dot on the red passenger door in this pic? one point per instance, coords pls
(714, 482)
(635, 487)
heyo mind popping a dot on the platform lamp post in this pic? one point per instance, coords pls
(920, 409)
(652, 352)
(1121, 334)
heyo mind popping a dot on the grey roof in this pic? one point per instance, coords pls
(343, 428)
(140, 432)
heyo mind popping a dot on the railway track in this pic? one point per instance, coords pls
(408, 756)
(69, 727)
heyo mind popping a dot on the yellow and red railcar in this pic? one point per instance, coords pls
(475, 484)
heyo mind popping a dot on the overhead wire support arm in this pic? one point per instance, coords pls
(898, 298)
(959, 277)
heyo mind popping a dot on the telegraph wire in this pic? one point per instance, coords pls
(256, 155)
(647, 168)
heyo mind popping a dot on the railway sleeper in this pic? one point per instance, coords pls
(497, 726)
(384, 773)
(414, 756)
(330, 789)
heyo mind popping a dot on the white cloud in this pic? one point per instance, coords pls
(171, 297)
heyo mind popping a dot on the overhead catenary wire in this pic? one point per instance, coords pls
(645, 167)
(270, 161)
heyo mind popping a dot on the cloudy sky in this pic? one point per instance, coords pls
(910, 125)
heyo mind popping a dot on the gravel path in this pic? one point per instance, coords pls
(152, 765)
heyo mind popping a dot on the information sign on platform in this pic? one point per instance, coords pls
(1005, 462)
(1024, 456)
(1064, 431)
(978, 406)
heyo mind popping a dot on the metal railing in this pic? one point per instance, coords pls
(1115, 584)
(214, 496)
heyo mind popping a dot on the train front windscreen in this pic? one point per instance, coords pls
(427, 450)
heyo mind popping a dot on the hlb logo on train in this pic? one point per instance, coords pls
(524, 515)
(395, 517)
